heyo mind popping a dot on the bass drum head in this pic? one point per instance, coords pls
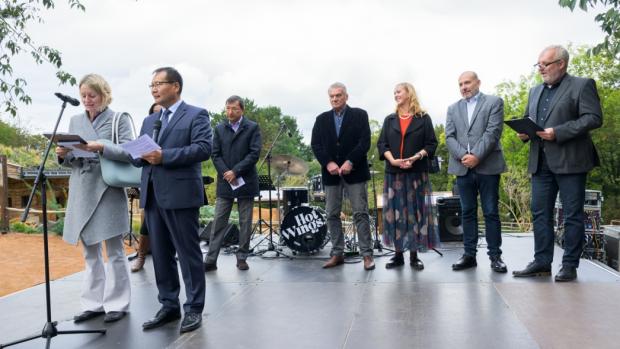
(304, 229)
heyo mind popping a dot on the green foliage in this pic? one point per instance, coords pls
(207, 214)
(609, 22)
(15, 15)
(27, 156)
(21, 227)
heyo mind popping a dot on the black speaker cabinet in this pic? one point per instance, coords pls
(231, 235)
(449, 219)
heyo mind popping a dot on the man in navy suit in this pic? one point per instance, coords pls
(171, 194)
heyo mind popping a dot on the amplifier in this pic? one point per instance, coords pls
(612, 244)
(449, 219)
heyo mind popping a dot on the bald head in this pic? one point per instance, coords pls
(469, 84)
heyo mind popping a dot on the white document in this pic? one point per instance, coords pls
(240, 183)
(139, 146)
(78, 153)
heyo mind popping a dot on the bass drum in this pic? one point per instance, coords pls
(304, 229)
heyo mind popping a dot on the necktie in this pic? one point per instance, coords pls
(164, 119)
(338, 124)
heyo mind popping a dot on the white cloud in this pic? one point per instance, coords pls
(286, 53)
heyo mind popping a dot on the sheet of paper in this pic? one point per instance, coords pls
(240, 183)
(139, 146)
(78, 153)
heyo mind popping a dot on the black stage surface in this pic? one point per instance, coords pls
(282, 303)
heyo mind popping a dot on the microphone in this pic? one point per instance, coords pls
(156, 128)
(74, 102)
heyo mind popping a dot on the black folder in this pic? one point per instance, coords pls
(65, 138)
(524, 125)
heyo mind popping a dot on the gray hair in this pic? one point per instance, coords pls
(339, 85)
(560, 52)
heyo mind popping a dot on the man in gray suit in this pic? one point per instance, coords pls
(236, 149)
(561, 155)
(473, 132)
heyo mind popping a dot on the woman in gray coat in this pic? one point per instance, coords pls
(97, 213)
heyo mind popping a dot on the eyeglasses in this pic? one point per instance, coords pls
(159, 83)
(545, 65)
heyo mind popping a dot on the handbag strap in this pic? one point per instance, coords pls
(116, 120)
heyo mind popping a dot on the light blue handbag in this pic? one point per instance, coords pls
(118, 173)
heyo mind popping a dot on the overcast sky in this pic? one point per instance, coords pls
(287, 52)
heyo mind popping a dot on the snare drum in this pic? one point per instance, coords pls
(304, 229)
(293, 197)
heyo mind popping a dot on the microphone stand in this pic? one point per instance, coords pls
(377, 244)
(49, 330)
(267, 158)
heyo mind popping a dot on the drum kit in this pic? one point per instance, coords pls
(303, 228)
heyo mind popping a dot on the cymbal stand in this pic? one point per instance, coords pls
(267, 158)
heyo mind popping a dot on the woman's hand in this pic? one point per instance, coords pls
(94, 147)
(396, 162)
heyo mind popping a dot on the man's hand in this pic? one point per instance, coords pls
(333, 168)
(523, 136)
(470, 160)
(548, 134)
(346, 168)
(153, 157)
(229, 176)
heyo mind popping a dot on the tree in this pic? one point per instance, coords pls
(15, 15)
(609, 22)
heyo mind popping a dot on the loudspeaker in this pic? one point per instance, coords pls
(449, 219)
(231, 234)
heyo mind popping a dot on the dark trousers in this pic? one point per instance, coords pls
(223, 207)
(176, 232)
(572, 188)
(470, 185)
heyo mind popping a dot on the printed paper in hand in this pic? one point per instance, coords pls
(240, 183)
(139, 146)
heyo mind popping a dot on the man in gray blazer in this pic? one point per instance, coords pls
(567, 108)
(236, 149)
(473, 132)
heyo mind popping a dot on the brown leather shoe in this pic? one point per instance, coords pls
(334, 261)
(242, 264)
(143, 248)
(369, 263)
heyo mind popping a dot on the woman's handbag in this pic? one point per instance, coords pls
(117, 173)
(433, 164)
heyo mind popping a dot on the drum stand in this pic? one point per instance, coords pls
(270, 245)
(130, 237)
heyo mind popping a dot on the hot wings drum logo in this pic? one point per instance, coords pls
(304, 229)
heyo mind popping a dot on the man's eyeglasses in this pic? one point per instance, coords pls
(159, 83)
(545, 65)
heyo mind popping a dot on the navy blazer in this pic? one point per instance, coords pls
(186, 143)
(237, 151)
(574, 110)
(352, 144)
(419, 135)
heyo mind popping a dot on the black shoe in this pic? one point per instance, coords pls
(465, 262)
(191, 321)
(87, 315)
(242, 264)
(566, 274)
(415, 262)
(210, 267)
(163, 316)
(113, 316)
(498, 265)
(397, 261)
(533, 269)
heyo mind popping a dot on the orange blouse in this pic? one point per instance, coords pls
(404, 124)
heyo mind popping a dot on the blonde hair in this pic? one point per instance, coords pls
(98, 84)
(414, 104)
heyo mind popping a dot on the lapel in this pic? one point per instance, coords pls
(178, 115)
(346, 119)
(535, 99)
(481, 100)
(330, 124)
(462, 108)
(394, 122)
(88, 130)
(558, 94)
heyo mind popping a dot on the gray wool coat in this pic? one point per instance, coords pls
(95, 211)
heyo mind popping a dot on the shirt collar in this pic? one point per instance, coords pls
(473, 99)
(341, 114)
(173, 108)
(556, 84)
(236, 124)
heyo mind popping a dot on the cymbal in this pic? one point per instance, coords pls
(289, 164)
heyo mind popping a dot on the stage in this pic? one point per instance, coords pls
(282, 303)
